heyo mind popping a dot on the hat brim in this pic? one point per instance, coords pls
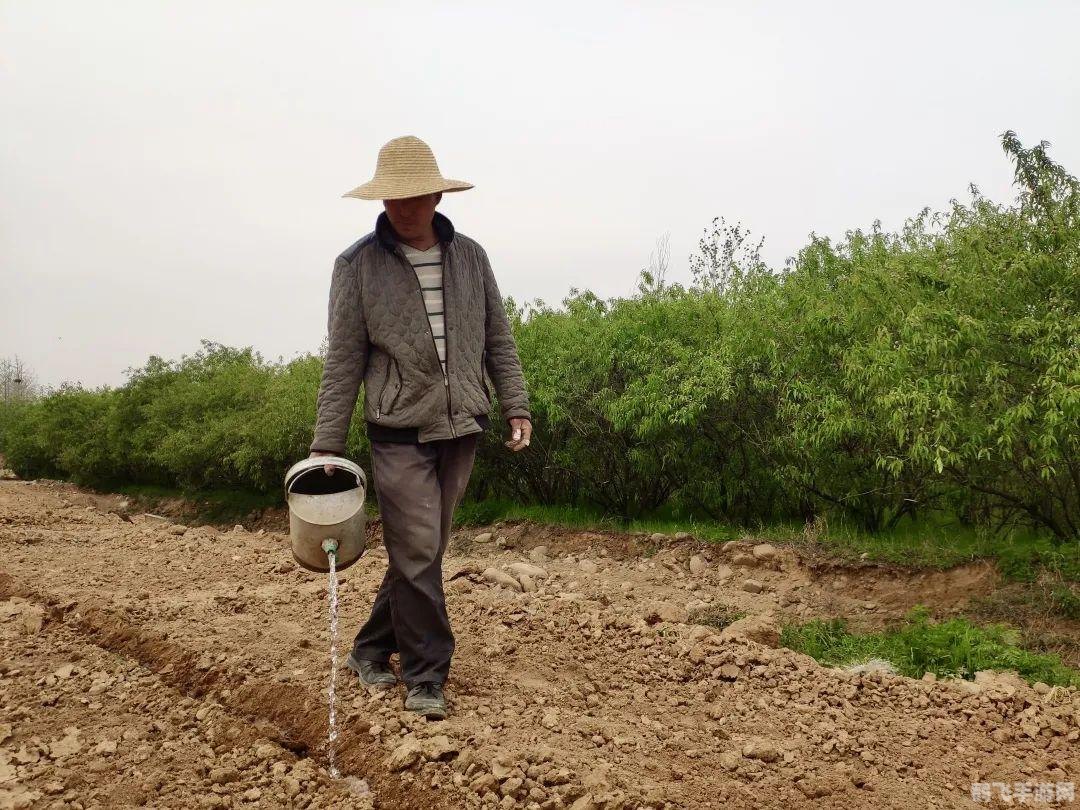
(400, 190)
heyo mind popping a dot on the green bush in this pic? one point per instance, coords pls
(220, 418)
(885, 377)
(894, 380)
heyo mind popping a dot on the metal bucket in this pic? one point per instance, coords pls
(323, 507)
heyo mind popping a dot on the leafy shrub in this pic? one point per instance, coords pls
(220, 418)
(891, 378)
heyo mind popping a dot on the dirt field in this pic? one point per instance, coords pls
(147, 663)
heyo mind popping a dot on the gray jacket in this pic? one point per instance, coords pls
(379, 334)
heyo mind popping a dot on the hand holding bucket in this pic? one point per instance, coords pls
(329, 468)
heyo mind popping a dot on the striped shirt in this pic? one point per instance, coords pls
(427, 264)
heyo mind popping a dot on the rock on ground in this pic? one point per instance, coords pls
(764, 628)
(494, 575)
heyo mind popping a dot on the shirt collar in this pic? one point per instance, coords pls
(384, 231)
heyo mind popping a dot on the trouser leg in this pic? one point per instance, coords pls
(376, 640)
(455, 468)
(418, 487)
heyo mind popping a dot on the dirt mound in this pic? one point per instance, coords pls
(578, 681)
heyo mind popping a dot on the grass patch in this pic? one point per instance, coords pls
(1021, 555)
(951, 648)
(718, 616)
(1032, 610)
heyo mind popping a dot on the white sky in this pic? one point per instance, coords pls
(173, 171)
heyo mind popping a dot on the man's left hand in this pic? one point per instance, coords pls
(520, 433)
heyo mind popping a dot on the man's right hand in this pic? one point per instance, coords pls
(328, 468)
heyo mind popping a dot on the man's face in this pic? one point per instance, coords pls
(412, 216)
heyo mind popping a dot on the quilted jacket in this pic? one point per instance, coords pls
(379, 335)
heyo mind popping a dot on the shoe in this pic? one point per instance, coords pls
(375, 674)
(427, 699)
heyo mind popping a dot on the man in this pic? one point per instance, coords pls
(415, 314)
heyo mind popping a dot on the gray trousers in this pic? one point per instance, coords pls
(418, 487)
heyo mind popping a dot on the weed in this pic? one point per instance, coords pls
(1065, 601)
(718, 616)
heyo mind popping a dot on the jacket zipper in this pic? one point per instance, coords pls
(382, 390)
(434, 345)
(483, 375)
(401, 387)
(382, 393)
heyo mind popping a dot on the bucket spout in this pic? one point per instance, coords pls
(326, 512)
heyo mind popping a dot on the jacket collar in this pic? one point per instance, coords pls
(384, 231)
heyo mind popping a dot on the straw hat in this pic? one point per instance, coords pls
(406, 168)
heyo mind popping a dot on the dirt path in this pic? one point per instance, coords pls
(145, 662)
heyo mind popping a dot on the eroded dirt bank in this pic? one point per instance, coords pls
(146, 662)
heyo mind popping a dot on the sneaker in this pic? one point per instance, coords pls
(375, 674)
(427, 699)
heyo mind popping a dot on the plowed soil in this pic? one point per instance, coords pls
(145, 662)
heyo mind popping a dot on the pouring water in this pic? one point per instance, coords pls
(330, 547)
(326, 527)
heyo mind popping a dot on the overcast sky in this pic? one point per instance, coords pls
(174, 171)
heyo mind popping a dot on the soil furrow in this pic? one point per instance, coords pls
(287, 714)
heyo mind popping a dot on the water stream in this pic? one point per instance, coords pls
(330, 692)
